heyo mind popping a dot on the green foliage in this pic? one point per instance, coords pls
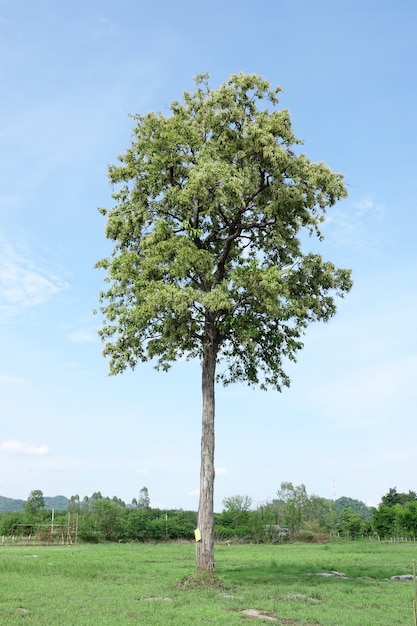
(395, 520)
(293, 516)
(351, 524)
(107, 515)
(393, 497)
(212, 201)
(407, 519)
(396, 515)
(8, 520)
(74, 504)
(236, 520)
(209, 204)
(294, 508)
(137, 525)
(35, 503)
(359, 507)
(144, 501)
(237, 503)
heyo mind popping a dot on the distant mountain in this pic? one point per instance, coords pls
(9, 504)
(58, 503)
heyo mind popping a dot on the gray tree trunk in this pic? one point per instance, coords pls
(205, 547)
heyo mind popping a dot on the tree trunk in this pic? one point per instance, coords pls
(205, 547)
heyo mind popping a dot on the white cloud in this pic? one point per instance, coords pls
(352, 224)
(82, 336)
(18, 447)
(22, 284)
(367, 206)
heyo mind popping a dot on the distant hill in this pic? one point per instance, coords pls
(357, 505)
(59, 503)
(8, 504)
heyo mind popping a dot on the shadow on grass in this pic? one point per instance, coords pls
(262, 574)
(289, 573)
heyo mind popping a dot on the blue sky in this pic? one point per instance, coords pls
(70, 73)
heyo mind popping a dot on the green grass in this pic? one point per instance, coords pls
(125, 584)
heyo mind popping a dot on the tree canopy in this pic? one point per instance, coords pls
(212, 201)
(393, 497)
(35, 502)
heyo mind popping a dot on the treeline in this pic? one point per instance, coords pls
(293, 515)
(97, 519)
(396, 516)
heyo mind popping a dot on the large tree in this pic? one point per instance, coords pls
(212, 201)
(35, 502)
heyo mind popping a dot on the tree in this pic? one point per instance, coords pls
(235, 516)
(212, 202)
(74, 505)
(144, 501)
(237, 503)
(292, 503)
(35, 502)
(108, 518)
(355, 505)
(385, 520)
(393, 497)
(408, 518)
(351, 523)
(85, 504)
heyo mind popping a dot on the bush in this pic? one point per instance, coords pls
(312, 533)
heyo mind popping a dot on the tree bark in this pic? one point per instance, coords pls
(205, 524)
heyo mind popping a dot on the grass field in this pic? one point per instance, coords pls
(147, 584)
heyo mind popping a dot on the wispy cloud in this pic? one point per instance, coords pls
(18, 447)
(352, 224)
(368, 207)
(82, 336)
(22, 283)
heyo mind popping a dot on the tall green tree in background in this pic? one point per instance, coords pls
(144, 501)
(392, 497)
(211, 202)
(34, 503)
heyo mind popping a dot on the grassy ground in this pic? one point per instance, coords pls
(156, 584)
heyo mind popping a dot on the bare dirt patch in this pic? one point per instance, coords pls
(270, 616)
(258, 613)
